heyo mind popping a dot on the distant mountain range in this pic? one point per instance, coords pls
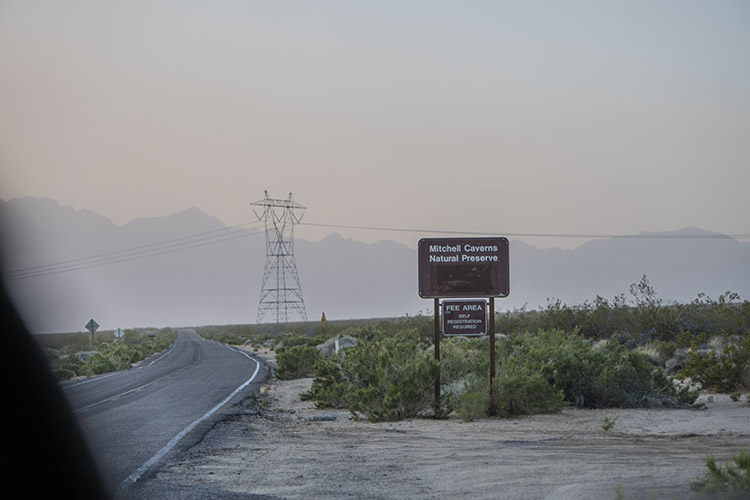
(215, 277)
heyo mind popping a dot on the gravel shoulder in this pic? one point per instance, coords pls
(281, 447)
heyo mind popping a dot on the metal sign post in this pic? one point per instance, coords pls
(493, 393)
(437, 355)
(464, 268)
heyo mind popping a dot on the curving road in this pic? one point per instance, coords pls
(133, 418)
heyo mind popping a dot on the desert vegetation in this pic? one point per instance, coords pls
(632, 351)
(730, 481)
(706, 340)
(74, 355)
(392, 377)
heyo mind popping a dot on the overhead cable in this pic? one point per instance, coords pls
(143, 251)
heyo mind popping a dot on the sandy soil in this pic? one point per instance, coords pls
(286, 448)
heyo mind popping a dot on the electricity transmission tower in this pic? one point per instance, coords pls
(281, 291)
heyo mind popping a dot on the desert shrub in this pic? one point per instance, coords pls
(298, 340)
(97, 364)
(731, 482)
(628, 380)
(329, 389)
(639, 317)
(473, 400)
(610, 376)
(392, 377)
(653, 352)
(134, 347)
(726, 316)
(565, 361)
(422, 324)
(519, 388)
(522, 391)
(725, 370)
(66, 367)
(123, 355)
(384, 377)
(296, 361)
(114, 355)
(133, 337)
(462, 358)
(667, 348)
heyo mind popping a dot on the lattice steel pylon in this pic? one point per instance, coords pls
(281, 290)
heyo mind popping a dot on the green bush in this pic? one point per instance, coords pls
(67, 367)
(462, 358)
(124, 355)
(391, 377)
(522, 391)
(607, 377)
(519, 387)
(731, 482)
(638, 318)
(473, 400)
(383, 377)
(113, 355)
(329, 389)
(726, 370)
(296, 361)
(97, 364)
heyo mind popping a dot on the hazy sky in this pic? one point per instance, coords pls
(526, 117)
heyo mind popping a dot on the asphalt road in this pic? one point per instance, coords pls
(134, 419)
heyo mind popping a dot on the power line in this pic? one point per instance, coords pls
(233, 232)
(140, 252)
(126, 259)
(152, 253)
(129, 250)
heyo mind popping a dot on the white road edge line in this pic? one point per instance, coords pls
(163, 355)
(135, 476)
(92, 379)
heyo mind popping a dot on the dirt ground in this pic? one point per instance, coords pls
(286, 448)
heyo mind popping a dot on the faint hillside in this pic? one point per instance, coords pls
(350, 279)
(679, 268)
(219, 283)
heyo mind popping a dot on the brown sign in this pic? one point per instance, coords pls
(464, 317)
(464, 267)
